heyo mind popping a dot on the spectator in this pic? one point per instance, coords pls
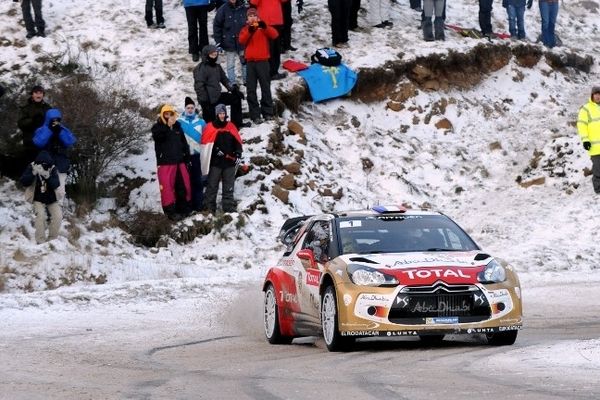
(31, 117)
(255, 35)
(221, 151)
(379, 13)
(41, 179)
(340, 18)
(196, 13)
(30, 25)
(227, 25)
(172, 153)
(353, 20)
(515, 10)
(286, 31)
(56, 139)
(485, 17)
(270, 11)
(430, 8)
(158, 7)
(2, 90)
(208, 77)
(192, 126)
(548, 12)
(588, 127)
(416, 5)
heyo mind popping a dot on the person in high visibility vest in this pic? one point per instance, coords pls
(588, 127)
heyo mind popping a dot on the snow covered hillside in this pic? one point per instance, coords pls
(515, 125)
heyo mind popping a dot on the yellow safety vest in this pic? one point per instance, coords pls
(588, 126)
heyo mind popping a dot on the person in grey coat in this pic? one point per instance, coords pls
(208, 78)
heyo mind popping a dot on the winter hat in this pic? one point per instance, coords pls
(595, 89)
(252, 11)
(37, 88)
(220, 108)
(188, 100)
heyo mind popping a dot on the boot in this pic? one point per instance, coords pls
(428, 30)
(438, 25)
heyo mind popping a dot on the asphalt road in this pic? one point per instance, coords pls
(167, 352)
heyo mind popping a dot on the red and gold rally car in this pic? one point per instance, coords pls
(388, 272)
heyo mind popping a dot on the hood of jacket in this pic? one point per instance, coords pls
(51, 114)
(164, 109)
(207, 50)
(44, 158)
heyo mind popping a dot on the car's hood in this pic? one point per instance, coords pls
(426, 267)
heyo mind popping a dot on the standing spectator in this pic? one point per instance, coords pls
(515, 9)
(485, 17)
(41, 179)
(56, 139)
(227, 25)
(430, 8)
(548, 12)
(172, 153)
(31, 117)
(353, 20)
(221, 151)
(255, 35)
(416, 5)
(270, 11)
(196, 12)
(208, 77)
(286, 31)
(158, 7)
(588, 127)
(192, 126)
(379, 13)
(30, 25)
(340, 18)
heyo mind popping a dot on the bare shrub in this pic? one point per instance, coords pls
(146, 228)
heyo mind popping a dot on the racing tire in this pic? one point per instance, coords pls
(271, 319)
(502, 338)
(430, 340)
(329, 323)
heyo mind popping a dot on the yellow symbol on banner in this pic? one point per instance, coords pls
(333, 72)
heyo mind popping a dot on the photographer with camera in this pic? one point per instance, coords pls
(41, 179)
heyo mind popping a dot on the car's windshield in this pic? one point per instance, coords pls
(397, 234)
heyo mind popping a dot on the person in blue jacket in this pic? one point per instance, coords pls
(41, 179)
(229, 21)
(196, 13)
(56, 139)
(192, 126)
(515, 10)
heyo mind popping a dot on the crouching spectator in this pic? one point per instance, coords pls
(220, 151)
(172, 154)
(56, 139)
(41, 179)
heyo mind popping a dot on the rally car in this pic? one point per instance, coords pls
(388, 271)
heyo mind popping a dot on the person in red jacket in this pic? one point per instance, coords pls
(271, 12)
(255, 35)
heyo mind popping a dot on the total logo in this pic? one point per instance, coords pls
(436, 273)
(313, 276)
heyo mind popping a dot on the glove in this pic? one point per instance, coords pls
(300, 5)
(529, 4)
(236, 90)
(587, 145)
(262, 25)
(251, 28)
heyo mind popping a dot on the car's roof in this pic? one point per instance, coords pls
(384, 210)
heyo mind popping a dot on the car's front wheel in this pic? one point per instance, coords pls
(502, 338)
(329, 322)
(271, 319)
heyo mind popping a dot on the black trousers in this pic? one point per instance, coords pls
(286, 31)
(158, 7)
(275, 49)
(340, 15)
(596, 173)
(485, 16)
(197, 19)
(217, 175)
(39, 23)
(353, 21)
(229, 99)
(258, 72)
(415, 4)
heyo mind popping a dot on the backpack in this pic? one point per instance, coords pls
(327, 57)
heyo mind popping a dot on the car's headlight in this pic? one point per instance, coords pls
(492, 273)
(366, 276)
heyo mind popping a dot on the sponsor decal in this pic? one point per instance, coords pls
(442, 320)
(286, 262)
(494, 294)
(441, 306)
(347, 299)
(373, 297)
(360, 333)
(402, 333)
(509, 328)
(313, 277)
(494, 329)
(288, 297)
(351, 224)
(436, 273)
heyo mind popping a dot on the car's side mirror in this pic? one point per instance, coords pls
(308, 255)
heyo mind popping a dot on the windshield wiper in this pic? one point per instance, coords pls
(442, 249)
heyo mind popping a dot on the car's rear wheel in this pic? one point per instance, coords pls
(271, 319)
(329, 322)
(431, 339)
(502, 338)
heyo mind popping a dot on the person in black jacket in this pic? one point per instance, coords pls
(41, 179)
(172, 155)
(228, 23)
(208, 77)
(31, 117)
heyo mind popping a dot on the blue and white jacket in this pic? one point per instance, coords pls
(192, 3)
(192, 126)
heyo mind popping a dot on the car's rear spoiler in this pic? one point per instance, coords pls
(290, 227)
